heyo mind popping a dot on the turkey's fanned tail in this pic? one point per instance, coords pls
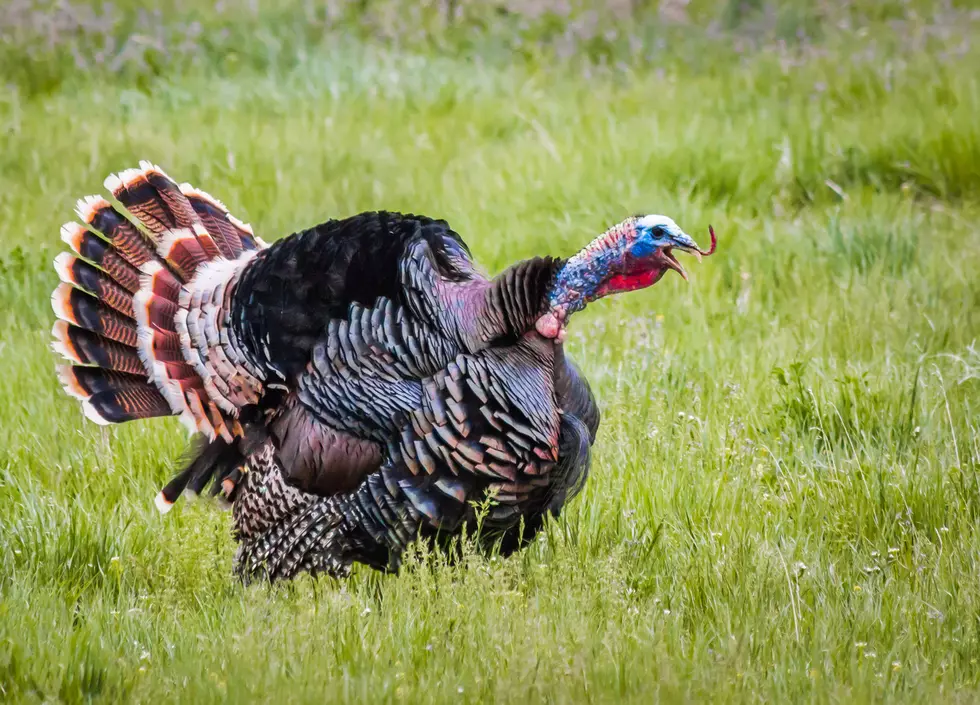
(140, 304)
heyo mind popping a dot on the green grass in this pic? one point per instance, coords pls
(785, 495)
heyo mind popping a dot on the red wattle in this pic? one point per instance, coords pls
(630, 282)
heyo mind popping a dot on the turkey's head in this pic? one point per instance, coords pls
(632, 255)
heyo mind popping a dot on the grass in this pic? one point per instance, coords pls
(785, 494)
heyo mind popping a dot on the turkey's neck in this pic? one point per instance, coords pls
(580, 280)
(507, 306)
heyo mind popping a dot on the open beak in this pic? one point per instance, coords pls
(694, 250)
(672, 263)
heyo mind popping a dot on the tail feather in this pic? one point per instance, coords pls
(100, 252)
(154, 313)
(214, 218)
(119, 405)
(83, 382)
(79, 273)
(112, 397)
(160, 281)
(86, 348)
(85, 311)
(134, 191)
(185, 251)
(142, 320)
(167, 190)
(131, 244)
(173, 489)
(161, 207)
(225, 227)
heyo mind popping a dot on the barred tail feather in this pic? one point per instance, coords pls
(126, 239)
(75, 306)
(119, 405)
(161, 207)
(82, 275)
(229, 232)
(108, 396)
(141, 319)
(86, 348)
(185, 251)
(84, 382)
(100, 252)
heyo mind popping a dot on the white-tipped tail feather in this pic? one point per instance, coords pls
(62, 265)
(72, 234)
(125, 178)
(87, 207)
(174, 306)
(92, 415)
(70, 384)
(62, 343)
(147, 165)
(163, 505)
(190, 191)
(60, 302)
(171, 238)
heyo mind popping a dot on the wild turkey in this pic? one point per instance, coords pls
(355, 386)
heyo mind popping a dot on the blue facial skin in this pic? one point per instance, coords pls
(650, 239)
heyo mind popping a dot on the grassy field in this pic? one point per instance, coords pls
(785, 497)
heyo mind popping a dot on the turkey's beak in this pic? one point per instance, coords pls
(667, 257)
(691, 248)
